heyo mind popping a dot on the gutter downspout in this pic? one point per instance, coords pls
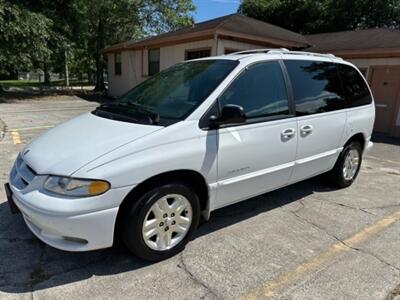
(216, 43)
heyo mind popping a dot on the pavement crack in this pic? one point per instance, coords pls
(383, 207)
(345, 244)
(375, 256)
(195, 279)
(355, 208)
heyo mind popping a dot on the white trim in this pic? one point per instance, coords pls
(318, 156)
(275, 168)
(255, 174)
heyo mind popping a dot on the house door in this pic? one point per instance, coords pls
(385, 85)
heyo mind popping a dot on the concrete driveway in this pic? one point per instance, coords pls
(306, 241)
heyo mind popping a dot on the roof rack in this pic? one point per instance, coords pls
(284, 51)
(254, 51)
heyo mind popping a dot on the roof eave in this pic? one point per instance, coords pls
(365, 53)
(204, 34)
(160, 41)
(273, 41)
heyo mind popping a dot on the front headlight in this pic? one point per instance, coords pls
(76, 187)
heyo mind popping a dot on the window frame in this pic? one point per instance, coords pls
(187, 51)
(337, 64)
(363, 78)
(204, 122)
(148, 61)
(115, 64)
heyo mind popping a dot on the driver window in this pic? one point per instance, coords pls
(260, 90)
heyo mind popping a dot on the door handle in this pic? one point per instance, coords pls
(380, 105)
(287, 133)
(306, 129)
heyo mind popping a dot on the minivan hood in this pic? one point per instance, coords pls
(69, 146)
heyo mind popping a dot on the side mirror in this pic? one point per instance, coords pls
(230, 114)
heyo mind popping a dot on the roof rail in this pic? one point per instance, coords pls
(329, 55)
(284, 51)
(254, 51)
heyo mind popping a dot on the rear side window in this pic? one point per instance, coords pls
(260, 90)
(316, 86)
(355, 88)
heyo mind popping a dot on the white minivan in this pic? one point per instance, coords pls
(196, 137)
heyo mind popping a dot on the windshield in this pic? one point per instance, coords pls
(172, 94)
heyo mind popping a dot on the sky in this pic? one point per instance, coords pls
(211, 9)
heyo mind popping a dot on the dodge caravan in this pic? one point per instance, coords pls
(196, 137)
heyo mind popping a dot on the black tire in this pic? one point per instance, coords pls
(336, 176)
(133, 222)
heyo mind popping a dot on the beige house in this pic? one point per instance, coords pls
(131, 62)
(376, 52)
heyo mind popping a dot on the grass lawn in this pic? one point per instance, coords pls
(34, 83)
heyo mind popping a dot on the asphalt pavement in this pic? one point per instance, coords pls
(306, 241)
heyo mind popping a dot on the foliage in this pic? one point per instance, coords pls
(309, 16)
(108, 22)
(24, 37)
(49, 33)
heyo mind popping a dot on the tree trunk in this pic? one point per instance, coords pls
(46, 75)
(100, 87)
(66, 69)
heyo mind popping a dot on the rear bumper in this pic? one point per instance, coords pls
(368, 147)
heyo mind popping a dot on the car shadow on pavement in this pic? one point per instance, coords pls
(27, 264)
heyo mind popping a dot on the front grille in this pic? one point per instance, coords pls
(21, 174)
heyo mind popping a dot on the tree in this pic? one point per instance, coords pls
(52, 33)
(107, 22)
(309, 16)
(23, 38)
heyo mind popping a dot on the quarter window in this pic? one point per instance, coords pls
(316, 86)
(117, 63)
(260, 90)
(154, 61)
(355, 88)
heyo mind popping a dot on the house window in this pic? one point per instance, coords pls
(117, 63)
(197, 53)
(230, 50)
(154, 61)
(363, 71)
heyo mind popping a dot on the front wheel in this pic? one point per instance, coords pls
(162, 221)
(347, 166)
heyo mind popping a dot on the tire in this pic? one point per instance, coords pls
(339, 176)
(168, 197)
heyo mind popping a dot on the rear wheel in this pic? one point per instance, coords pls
(162, 221)
(347, 166)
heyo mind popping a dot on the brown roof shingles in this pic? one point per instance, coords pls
(377, 38)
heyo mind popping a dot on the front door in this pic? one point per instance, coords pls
(257, 156)
(321, 118)
(385, 85)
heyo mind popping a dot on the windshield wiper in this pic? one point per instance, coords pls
(114, 116)
(154, 118)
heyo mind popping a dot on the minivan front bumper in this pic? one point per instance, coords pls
(77, 230)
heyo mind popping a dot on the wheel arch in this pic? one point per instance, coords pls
(193, 178)
(358, 137)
